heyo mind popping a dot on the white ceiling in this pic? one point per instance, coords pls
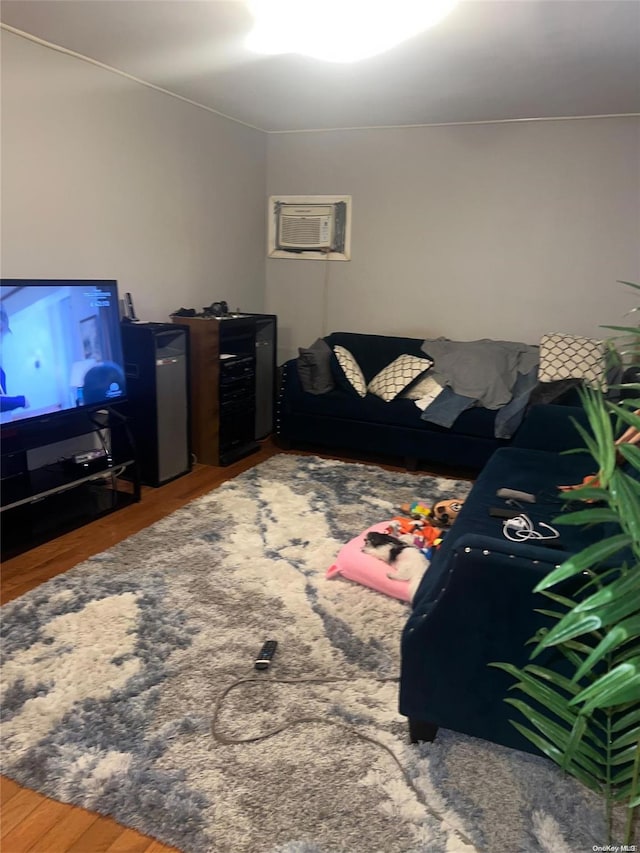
(489, 60)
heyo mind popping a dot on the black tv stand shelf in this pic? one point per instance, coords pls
(38, 504)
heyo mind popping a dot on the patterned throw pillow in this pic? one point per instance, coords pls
(572, 357)
(351, 370)
(395, 377)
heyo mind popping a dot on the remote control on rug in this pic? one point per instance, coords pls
(266, 654)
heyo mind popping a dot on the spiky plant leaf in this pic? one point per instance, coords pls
(628, 509)
(584, 756)
(593, 515)
(631, 718)
(631, 453)
(623, 756)
(568, 603)
(614, 638)
(629, 652)
(630, 418)
(549, 749)
(626, 584)
(576, 623)
(591, 556)
(620, 684)
(584, 492)
(624, 775)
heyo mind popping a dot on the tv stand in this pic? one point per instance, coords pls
(43, 497)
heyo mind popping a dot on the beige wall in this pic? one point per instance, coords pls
(502, 230)
(505, 230)
(105, 178)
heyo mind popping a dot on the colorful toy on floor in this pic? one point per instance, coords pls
(425, 537)
(416, 510)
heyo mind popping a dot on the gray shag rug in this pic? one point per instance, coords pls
(113, 673)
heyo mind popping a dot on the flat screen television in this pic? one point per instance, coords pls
(60, 350)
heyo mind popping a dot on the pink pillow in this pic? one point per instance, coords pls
(352, 564)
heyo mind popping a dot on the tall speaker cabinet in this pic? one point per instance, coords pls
(232, 384)
(156, 359)
(266, 338)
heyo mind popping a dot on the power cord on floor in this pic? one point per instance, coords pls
(233, 741)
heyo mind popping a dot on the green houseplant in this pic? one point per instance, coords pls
(589, 724)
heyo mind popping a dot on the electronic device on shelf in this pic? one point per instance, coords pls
(216, 309)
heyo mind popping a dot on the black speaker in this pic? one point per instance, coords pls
(266, 340)
(156, 359)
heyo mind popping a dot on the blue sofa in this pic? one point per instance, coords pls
(475, 603)
(339, 419)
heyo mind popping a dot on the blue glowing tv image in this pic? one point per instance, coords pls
(60, 347)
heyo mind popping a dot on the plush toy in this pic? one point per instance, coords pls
(425, 537)
(401, 526)
(416, 510)
(446, 512)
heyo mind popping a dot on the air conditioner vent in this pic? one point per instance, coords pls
(309, 227)
(306, 227)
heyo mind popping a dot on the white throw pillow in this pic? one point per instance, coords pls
(426, 385)
(395, 377)
(572, 357)
(351, 370)
(429, 389)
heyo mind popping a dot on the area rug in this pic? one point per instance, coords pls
(114, 671)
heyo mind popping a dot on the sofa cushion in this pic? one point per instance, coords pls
(349, 374)
(399, 412)
(314, 368)
(397, 376)
(535, 471)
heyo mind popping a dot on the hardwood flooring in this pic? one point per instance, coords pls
(29, 821)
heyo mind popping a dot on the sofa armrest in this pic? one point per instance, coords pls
(484, 612)
(289, 379)
(551, 427)
(289, 390)
(525, 565)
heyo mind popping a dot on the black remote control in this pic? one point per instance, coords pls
(266, 654)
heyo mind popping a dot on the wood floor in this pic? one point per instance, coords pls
(29, 821)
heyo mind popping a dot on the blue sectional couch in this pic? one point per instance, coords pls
(342, 420)
(475, 604)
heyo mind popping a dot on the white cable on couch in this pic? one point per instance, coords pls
(521, 529)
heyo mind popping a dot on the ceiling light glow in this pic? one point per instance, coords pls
(340, 30)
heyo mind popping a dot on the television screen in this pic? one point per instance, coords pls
(60, 347)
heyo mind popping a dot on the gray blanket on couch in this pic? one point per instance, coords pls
(493, 374)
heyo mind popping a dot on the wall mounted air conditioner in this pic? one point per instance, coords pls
(309, 227)
(306, 226)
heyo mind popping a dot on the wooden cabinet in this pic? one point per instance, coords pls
(204, 343)
(232, 384)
